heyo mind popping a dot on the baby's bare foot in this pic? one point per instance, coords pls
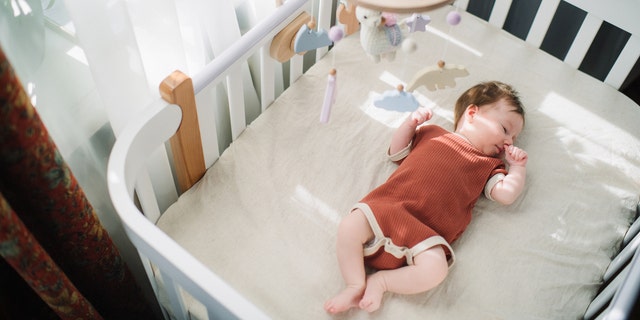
(373, 293)
(348, 298)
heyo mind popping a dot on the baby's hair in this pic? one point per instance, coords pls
(487, 93)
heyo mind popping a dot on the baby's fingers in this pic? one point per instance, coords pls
(427, 114)
(421, 115)
(515, 154)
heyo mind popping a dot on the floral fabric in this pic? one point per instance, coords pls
(39, 190)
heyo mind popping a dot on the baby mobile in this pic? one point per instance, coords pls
(381, 35)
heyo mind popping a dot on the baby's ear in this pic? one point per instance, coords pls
(471, 111)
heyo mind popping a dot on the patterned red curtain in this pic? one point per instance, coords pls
(49, 232)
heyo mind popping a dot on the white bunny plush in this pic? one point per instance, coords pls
(379, 37)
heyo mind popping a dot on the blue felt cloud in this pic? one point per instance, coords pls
(307, 39)
(397, 100)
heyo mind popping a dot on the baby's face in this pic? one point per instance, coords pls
(497, 125)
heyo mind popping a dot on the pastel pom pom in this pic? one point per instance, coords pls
(453, 18)
(409, 45)
(336, 34)
(389, 19)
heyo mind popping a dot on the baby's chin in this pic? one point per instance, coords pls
(497, 155)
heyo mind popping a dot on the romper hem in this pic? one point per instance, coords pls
(380, 241)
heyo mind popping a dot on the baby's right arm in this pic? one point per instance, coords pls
(508, 189)
(404, 134)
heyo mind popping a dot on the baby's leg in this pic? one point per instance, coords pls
(354, 231)
(429, 269)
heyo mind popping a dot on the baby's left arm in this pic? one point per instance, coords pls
(508, 189)
(407, 130)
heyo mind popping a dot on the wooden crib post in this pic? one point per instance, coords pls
(186, 144)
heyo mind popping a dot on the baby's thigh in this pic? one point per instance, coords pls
(355, 224)
(435, 260)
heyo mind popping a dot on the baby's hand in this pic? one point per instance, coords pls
(421, 115)
(515, 156)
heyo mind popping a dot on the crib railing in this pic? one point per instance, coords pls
(173, 272)
(605, 46)
(620, 291)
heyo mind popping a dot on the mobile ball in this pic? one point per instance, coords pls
(409, 45)
(453, 18)
(336, 34)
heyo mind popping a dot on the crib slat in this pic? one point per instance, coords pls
(462, 4)
(604, 297)
(499, 12)
(208, 125)
(626, 297)
(621, 275)
(625, 62)
(622, 259)
(295, 68)
(173, 291)
(147, 197)
(633, 230)
(267, 85)
(236, 102)
(583, 40)
(541, 23)
(162, 178)
(148, 268)
(324, 22)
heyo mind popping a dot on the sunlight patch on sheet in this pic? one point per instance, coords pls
(586, 133)
(559, 108)
(315, 209)
(390, 118)
(578, 119)
(390, 79)
(454, 41)
(574, 117)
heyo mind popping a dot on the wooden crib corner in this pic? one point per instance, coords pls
(186, 144)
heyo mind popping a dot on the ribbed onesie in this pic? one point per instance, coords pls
(428, 199)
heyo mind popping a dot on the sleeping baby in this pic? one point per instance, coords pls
(404, 228)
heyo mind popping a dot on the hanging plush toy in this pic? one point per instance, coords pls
(379, 38)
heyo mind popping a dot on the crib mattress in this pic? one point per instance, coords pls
(265, 215)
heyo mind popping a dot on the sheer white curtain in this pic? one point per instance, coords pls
(130, 46)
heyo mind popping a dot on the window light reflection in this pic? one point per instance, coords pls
(454, 41)
(20, 8)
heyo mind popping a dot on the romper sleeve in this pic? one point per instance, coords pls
(492, 183)
(400, 155)
(423, 132)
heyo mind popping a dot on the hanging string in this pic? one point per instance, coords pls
(446, 44)
(453, 18)
(408, 47)
(406, 52)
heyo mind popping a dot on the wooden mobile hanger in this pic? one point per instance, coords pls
(401, 6)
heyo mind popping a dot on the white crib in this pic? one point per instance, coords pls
(189, 287)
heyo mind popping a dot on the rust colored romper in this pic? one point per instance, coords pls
(429, 197)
